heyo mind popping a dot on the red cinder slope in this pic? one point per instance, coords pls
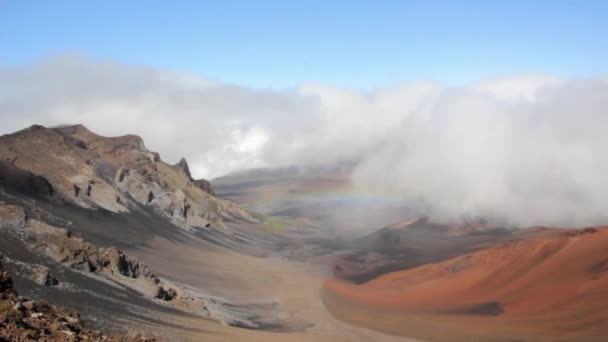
(541, 285)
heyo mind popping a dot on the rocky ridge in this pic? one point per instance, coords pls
(75, 165)
(72, 251)
(22, 319)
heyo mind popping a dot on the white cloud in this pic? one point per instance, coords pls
(523, 149)
(524, 87)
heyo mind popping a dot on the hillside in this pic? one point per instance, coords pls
(103, 226)
(548, 283)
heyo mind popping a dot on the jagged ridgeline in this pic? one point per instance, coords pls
(75, 165)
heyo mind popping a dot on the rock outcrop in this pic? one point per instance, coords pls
(42, 276)
(25, 182)
(22, 319)
(72, 251)
(118, 174)
(6, 282)
(39, 274)
(202, 184)
(165, 294)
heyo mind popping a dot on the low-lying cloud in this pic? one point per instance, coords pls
(525, 150)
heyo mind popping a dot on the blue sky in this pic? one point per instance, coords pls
(278, 44)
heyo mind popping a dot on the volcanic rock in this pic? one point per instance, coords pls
(41, 275)
(22, 319)
(166, 295)
(76, 165)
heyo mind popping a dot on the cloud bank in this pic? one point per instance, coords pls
(524, 150)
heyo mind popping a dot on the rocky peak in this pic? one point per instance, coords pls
(202, 184)
(124, 146)
(183, 165)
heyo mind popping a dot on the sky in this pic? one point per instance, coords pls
(459, 108)
(282, 44)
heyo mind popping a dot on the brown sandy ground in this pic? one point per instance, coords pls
(295, 287)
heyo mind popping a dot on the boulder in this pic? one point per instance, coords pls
(41, 275)
(6, 282)
(166, 295)
(118, 262)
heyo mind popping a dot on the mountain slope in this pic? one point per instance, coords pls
(92, 171)
(22, 319)
(80, 214)
(546, 283)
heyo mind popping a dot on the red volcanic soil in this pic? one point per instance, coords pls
(549, 283)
